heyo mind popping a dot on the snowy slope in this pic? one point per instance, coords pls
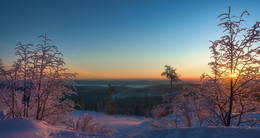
(22, 128)
(126, 126)
(31, 128)
(205, 132)
(134, 126)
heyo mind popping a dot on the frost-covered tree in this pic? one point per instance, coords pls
(1, 85)
(230, 92)
(166, 108)
(171, 74)
(187, 106)
(9, 91)
(1, 64)
(109, 108)
(227, 96)
(185, 109)
(1, 71)
(51, 81)
(24, 53)
(38, 84)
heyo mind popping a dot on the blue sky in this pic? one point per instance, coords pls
(121, 38)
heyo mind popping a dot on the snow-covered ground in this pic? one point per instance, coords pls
(126, 126)
(205, 132)
(23, 128)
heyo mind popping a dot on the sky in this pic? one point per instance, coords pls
(121, 39)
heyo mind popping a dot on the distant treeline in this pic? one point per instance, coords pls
(122, 100)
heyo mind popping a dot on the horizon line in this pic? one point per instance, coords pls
(197, 78)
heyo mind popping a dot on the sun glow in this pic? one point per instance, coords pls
(233, 75)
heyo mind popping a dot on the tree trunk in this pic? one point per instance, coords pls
(24, 97)
(231, 77)
(38, 108)
(13, 96)
(230, 103)
(171, 91)
(38, 95)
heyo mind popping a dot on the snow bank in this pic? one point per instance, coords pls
(2, 114)
(31, 128)
(22, 128)
(205, 132)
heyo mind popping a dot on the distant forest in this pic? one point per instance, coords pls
(122, 99)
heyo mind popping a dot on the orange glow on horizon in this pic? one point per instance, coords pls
(128, 75)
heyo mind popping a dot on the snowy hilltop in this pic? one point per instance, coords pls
(40, 96)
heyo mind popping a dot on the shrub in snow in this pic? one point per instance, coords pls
(160, 110)
(85, 123)
(104, 130)
(61, 120)
(163, 123)
(183, 111)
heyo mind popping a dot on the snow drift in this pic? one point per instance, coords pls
(22, 128)
(205, 132)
